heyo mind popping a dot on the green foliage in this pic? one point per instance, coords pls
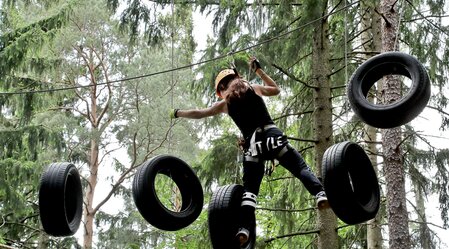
(442, 183)
(25, 38)
(213, 169)
(423, 40)
(40, 49)
(54, 130)
(18, 208)
(139, 18)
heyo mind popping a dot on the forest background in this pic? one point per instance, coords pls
(91, 82)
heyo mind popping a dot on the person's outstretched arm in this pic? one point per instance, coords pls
(217, 108)
(269, 88)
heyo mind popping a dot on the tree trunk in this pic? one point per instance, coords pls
(371, 43)
(322, 116)
(425, 238)
(373, 231)
(92, 183)
(399, 237)
(89, 213)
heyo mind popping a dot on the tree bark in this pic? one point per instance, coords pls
(425, 237)
(399, 237)
(89, 212)
(92, 184)
(371, 42)
(373, 231)
(322, 116)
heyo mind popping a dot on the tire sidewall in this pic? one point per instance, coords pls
(350, 182)
(60, 199)
(223, 218)
(399, 112)
(147, 201)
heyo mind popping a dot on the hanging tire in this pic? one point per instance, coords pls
(60, 199)
(399, 112)
(223, 218)
(351, 183)
(150, 206)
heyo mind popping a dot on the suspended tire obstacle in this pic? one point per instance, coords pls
(399, 112)
(223, 218)
(351, 183)
(150, 206)
(60, 199)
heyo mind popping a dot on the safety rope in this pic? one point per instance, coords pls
(176, 195)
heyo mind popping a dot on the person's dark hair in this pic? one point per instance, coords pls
(236, 89)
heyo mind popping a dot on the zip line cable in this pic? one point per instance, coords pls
(185, 66)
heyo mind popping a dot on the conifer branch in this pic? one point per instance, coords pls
(285, 210)
(291, 235)
(184, 2)
(387, 23)
(386, 224)
(292, 114)
(293, 77)
(23, 225)
(7, 247)
(425, 18)
(427, 223)
(280, 178)
(439, 110)
(303, 139)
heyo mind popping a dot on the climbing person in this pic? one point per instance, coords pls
(263, 141)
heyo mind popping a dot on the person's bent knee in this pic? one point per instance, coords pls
(291, 159)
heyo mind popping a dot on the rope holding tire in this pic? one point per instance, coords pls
(400, 112)
(350, 182)
(60, 199)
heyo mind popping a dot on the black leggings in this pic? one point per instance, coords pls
(253, 172)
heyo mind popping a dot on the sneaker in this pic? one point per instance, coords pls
(321, 199)
(242, 236)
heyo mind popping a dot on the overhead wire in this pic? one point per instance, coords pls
(184, 66)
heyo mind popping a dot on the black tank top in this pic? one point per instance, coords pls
(249, 112)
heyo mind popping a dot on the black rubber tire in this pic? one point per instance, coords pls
(350, 182)
(223, 218)
(399, 112)
(149, 205)
(60, 199)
